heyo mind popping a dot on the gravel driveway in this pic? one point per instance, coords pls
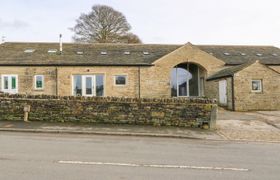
(249, 126)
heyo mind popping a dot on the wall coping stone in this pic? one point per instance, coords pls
(180, 100)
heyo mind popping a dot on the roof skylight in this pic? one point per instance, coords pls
(29, 50)
(52, 51)
(80, 52)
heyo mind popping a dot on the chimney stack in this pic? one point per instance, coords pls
(60, 43)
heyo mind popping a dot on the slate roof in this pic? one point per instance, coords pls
(235, 55)
(13, 54)
(229, 71)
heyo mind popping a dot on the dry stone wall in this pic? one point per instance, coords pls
(110, 110)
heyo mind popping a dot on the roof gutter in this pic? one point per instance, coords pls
(56, 74)
(271, 64)
(139, 82)
(220, 77)
(232, 93)
(61, 65)
(268, 64)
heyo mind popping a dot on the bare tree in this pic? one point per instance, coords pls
(103, 25)
(130, 38)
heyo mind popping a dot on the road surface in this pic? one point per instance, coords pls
(31, 156)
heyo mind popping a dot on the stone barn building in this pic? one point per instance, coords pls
(241, 78)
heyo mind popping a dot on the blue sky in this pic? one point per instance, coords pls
(154, 21)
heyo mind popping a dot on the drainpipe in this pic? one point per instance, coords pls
(56, 73)
(232, 92)
(139, 81)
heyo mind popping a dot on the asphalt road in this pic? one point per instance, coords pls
(79, 157)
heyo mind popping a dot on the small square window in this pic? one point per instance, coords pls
(120, 80)
(256, 85)
(39, 82)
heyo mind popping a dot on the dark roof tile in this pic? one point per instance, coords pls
(13, 54)
(242, 54)
(229, 71)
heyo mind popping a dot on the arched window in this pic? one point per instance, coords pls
(185, 80)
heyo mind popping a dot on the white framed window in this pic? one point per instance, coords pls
(39, 82)
(256, 86)
(120, 80)
(9, 83)
(88, 85)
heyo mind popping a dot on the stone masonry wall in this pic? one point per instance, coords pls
(111, 110)
(276, 68)
(154, 80)
(26, 79)
(157, 77)
(268, 99)
(110, 89)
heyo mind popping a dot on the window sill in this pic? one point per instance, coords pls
(120, 85)
(38, 89)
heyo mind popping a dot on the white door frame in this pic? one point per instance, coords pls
(10, 89)
(223, 92)
(84, 77)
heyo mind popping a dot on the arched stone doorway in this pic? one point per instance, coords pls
(187, 79)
